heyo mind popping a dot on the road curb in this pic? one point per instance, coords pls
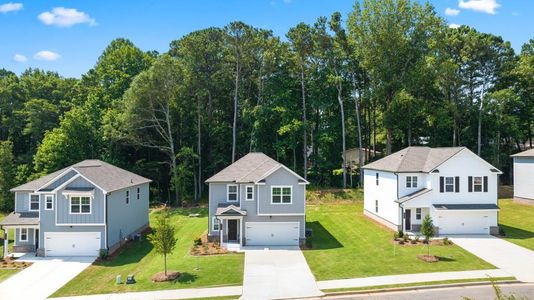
(418, 287)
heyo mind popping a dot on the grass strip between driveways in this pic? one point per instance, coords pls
(417, 284)
(517, 221)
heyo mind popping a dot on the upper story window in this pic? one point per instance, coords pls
(127, 197)
(477, 184)
(281, 195)
(34, 203)
(250, 193)
(138, 193)
(231, 193)
(449, 184)
(49, 202)
(24, 234)
(80, 205)
(411, 182)
(377, 176)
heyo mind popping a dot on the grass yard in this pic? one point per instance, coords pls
(140, 259)
(517, 220)
(4, 274)
(348, 245)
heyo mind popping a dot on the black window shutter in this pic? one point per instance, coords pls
(457, 184)
(485, 184)
(470, 182)
(441, 184)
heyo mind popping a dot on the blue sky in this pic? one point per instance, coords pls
(68, 36)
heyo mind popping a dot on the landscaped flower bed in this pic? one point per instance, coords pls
(13, 264)
(201, 246)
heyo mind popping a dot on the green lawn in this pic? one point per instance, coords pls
(4, 274)
(517, 220)
(347, 245)
(143, 262)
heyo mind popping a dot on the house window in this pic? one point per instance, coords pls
(80, 205)
(127, 197)
(138, 193)
(376, 206)
(232, 193)
(418, 214)
(449, 184)
(49, 202)
(215, 224)
(250, 193)
(24, 234)
(377, 178)
(34, 202)
(281, 195)
(477, 184)
(411, 181)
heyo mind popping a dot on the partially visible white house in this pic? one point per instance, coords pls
(524, 176)
(457, 188)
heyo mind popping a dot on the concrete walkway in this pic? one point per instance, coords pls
(409, 278)
(165, 294)
(507, 256)
(45, 276)
(277, 273)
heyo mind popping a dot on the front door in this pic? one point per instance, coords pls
(408, 219)
(232, 230)
(36, 239)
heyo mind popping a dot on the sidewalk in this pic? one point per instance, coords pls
(165, 294)
(409, 278)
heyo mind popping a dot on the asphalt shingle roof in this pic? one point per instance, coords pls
(106, 176)
(465, 206)
(414, 159)
(21, 218)
(249, 168)
(526, 153)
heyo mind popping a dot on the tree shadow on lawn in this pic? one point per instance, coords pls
(187, 278)
(322, 238)
(133, 252)
(516, 233)
(445, 259)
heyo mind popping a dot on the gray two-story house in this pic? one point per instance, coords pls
(78, 211)
(257, 201)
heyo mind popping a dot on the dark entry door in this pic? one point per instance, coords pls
(232, 230)
(408, 219)
(36, 239)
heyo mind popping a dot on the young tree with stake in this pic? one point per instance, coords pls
(163, 238)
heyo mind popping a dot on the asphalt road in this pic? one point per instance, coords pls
(522, 290)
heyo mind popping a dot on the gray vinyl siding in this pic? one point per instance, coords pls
(22, 201)
(60, 180)
(125, 219)
(285, 178)
(30, 241)
(63, 205)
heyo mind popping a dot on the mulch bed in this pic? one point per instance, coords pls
(428, 258)
(161, 277)
(9, 263)
(208, 248)
(401, 242)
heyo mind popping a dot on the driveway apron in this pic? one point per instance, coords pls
(514, 259)
(45, 276)
(277, 273)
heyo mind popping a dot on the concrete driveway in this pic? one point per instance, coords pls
(513, 259)
(45, 276)
(277, 273)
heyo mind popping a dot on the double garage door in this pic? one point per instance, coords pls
(464, 223)
(272, 233)
(72, 243)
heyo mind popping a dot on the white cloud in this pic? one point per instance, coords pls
(9, 7)
(20, 58)
(65, 17)
(454, 26)
(46, 55)
(487, 6)
(452, 11)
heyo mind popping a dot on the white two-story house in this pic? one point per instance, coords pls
(457, 188)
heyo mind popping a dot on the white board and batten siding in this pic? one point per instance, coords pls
(524, 177)
(272, 233)
(72, 243)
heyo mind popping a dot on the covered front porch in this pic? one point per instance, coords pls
(25, 226)
(230, 220)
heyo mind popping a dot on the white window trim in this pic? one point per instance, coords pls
(281, 195)
(20, 235)
(420, 213)
(228, 193)
(481, 184)
(80, 213)
(412, 186)
(30, 202)
(445, 184)
(45, 202)
(246, 193)
(214, 221)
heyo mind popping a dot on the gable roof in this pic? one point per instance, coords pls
(527, 153)
(414, 159)
(105, 176)
(252, 167)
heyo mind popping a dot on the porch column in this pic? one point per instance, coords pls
(6, 242)
(241, 232)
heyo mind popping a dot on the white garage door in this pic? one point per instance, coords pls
(272, 233)
(72, 243)
(464, 223)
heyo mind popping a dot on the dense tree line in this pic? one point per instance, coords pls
(389, 75)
